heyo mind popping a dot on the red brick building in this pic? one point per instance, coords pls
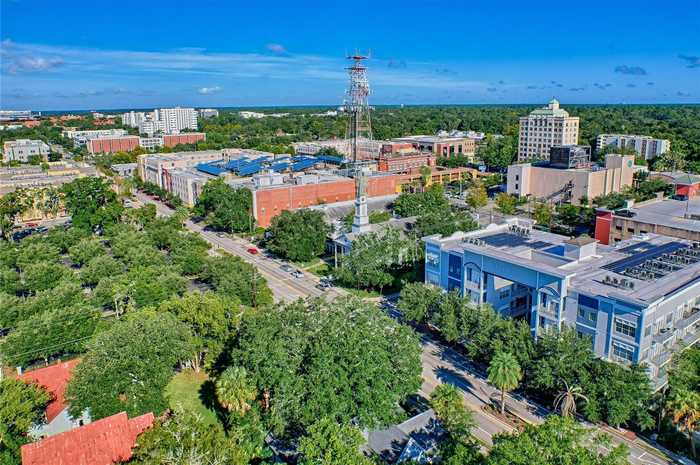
(112, 144)
(405, 162)
(271, 201)
(171, 140)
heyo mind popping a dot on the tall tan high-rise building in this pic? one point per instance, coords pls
(543, 128)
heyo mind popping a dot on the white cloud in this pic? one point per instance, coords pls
(276, 48)
(208, 90)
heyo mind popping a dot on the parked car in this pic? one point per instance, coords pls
(31, 225)
(286, 268)
(298, 274)
(252, 250)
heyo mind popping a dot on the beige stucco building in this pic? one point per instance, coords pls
(548, 183)
(543, 128)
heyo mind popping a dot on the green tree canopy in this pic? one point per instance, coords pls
(498, 152)
(375, 257)
(330, 443)
(127, 366)
(91, 202)
(85, 250)
(52, 332)
(413, 204)
(184, 437)
(210, 318)
(506, 203)
(559, 441)
(226, 208)
(344, 361)
(233, 277)
(21, 406)
(299, 236)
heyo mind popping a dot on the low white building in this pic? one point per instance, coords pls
(22, 149)
(80, 137)
(646, 146)
(208, 113)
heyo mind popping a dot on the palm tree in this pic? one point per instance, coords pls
(565, 402)
(504, 373)
(234, 391)
(684, 408)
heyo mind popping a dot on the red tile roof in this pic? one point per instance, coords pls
(54, 379)
(103, 442)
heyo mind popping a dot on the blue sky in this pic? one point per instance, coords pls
(140, 54)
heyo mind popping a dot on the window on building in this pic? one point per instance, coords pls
(669, 318)
(455, 266)
(647, 331)
(581, 312)
(623, 351)
(628, 328)
(593, 317)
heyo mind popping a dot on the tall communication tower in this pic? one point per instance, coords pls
(359, 134)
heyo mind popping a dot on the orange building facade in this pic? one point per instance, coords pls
(112, 144)
(171, 140)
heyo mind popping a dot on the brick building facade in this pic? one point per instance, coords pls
(112, 144)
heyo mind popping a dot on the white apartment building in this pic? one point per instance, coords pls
(133, 118)
(165, 120)
(22, 149)
(645, 146)
(176, 119)
(543, 128)
(208, 113)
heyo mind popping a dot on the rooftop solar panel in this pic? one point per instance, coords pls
(250, 169)
(331, 159)
(640, 257)
(638, 247)
(304, 164)
(504, 239)
(210, 169)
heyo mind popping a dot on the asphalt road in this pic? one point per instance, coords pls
(283, 285)
(440, 363)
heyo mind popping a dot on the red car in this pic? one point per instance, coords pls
(32, 225)
(253, 251)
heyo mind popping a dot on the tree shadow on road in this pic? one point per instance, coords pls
(448, 375)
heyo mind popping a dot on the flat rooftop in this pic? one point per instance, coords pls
(429, 139)
(670, 213)
(642, 270)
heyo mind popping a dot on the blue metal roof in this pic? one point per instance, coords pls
(304, 164)
(332, 159)
(250, 169)
(233, 165)
(280, 166)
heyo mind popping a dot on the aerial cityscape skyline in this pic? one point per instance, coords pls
(247, 57)
(349, 233)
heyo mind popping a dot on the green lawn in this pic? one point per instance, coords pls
(319, 269)
(184, 389)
